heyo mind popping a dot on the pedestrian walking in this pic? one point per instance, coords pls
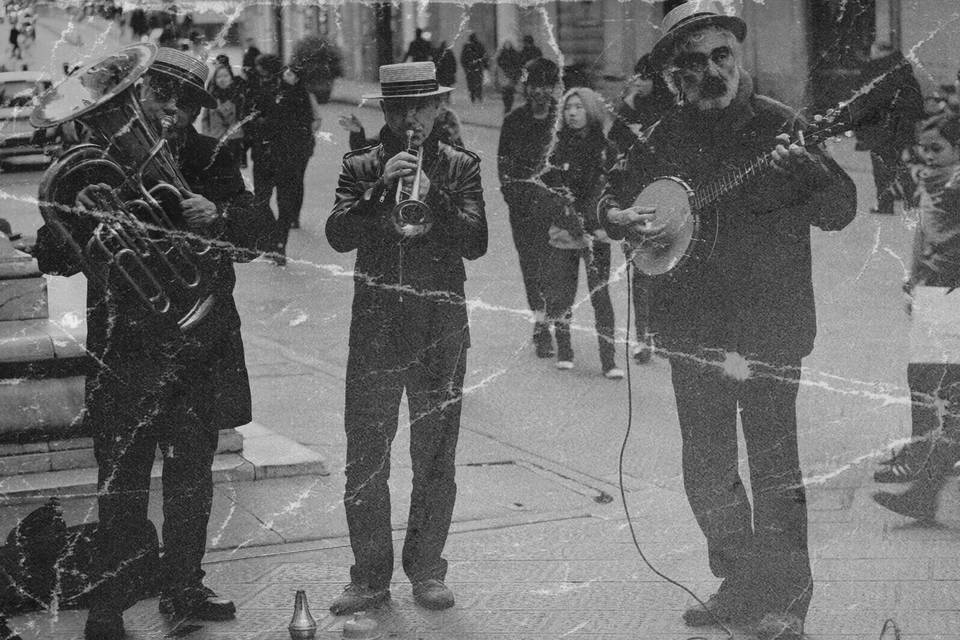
(14, 41)
(522, 152)
(738, 320)
(581, 157)
(157, 383)
(473, 57)
(408, 333)
(643, 101)
(885, 118)
(286, 119)
(934, 378)
(529, 51)
(446, 62)
(509, 67)
(420, 49)
(224, 121)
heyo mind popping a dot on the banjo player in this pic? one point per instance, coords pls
(737, 320)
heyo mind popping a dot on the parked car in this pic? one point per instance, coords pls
(17, 137)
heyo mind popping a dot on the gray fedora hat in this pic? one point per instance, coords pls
(690, 16)
(408, 80)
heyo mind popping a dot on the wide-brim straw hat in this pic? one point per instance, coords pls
(408, 80)
(190, 71)
(688, 17)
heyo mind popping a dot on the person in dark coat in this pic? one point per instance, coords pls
(884, 119)
(446, 63)
(408, 333)
(736, 321)
(644, 100)
(529, 51)
(521, 156)
(158, 383)
(420, 49)
(285, 122)
(473, 57)
(510, 63)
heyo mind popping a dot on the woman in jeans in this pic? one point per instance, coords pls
(578, 164)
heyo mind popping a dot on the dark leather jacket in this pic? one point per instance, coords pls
(431, 263)
(754, 292)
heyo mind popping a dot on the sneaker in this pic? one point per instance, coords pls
(564, 365)
(200, 603)
(642, 353)
(542, 340)
(917, 502)
(720, 607)
(780, 626)
(432, 594)
(614, 373)
(358, 597)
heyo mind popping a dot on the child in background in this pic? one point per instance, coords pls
(579, 161)
(934, 387)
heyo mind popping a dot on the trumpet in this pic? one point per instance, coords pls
(410, 216)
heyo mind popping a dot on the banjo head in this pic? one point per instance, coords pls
(657, 256)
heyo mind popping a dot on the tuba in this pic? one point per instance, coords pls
(138, 230)
(410, 216)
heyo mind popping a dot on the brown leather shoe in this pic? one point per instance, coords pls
(358, 597)
(723, 607)
(432, 594)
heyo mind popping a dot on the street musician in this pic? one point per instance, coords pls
(735, 320)
(156, 383)
(412, 208)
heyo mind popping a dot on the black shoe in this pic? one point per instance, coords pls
(722, 607)
(918, 502)
(542, 340)
(883, 209)
(642, 353)
(199, 603)
(358, 597)
(104, 624)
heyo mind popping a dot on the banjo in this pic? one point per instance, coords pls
(683, 210)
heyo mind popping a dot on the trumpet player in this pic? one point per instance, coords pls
(412, 207)
(156, 384)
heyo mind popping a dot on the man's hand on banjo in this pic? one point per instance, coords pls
(639, 223)
(794, 157)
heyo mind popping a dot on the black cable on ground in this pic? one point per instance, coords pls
(623, 448)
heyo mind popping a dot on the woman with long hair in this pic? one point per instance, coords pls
(578, 163)
(223, 123)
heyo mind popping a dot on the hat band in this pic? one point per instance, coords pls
(174, 70)
(401, 88)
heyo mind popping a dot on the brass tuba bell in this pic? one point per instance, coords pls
(139, 231)
(410, 216)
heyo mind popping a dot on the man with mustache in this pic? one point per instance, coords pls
(736, 322)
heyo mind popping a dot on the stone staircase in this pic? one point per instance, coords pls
(42, 364)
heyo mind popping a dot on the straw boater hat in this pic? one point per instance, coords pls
(191, 72)
(408, 80)
(690, 16)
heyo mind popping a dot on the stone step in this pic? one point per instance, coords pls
(265, 454)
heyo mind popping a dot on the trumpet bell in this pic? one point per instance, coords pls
(412, 218)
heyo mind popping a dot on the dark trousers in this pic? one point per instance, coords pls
(563, 266)
(285, 174)
(475, 85)
(507, 93)
(640, 293)
(891, 176)
(394, 355)
(163, 401)
(530, 223)
(762, 551)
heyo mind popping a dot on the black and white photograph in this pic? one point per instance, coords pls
(480, 319)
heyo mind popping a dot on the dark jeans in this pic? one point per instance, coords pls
(759, 551)
(387, 360)
(475, 85)
(162, 401)
(563, 266)
(284, 174)
(530, 222)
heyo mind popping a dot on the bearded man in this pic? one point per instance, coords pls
(736, 323)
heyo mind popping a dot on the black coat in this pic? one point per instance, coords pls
(885, 115)
(125, 335)
(754, 292)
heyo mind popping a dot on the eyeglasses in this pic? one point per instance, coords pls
(697, 62)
